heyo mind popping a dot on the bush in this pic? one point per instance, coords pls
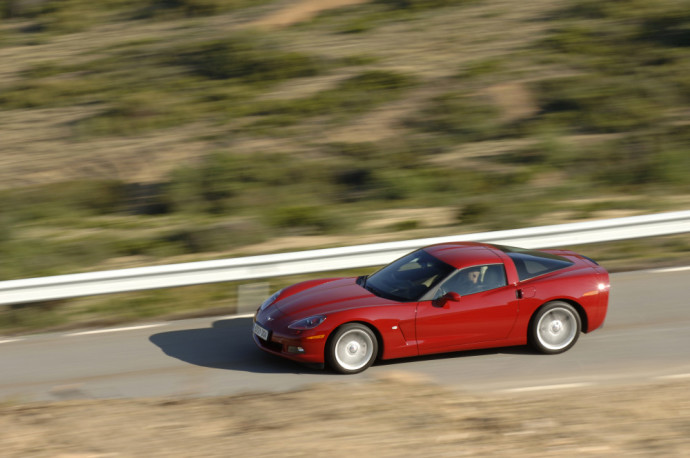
(421, 4)
(192, 8)
(50, 93)
(473, 212)
(83, 197)
(353, 96)
(147, 199)
(66, 16)
(303, 219)
(188, 8)
(644, 158)
(245, 58)
(469, 118)
(134, 114)
(667, 28)
(406, 225)
(354, 183)
(221, 182)
(597, 105)
(210, 187)
(215, 237)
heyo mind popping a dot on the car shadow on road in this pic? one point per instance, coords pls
(227, 344)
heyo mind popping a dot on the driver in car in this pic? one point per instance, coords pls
(465, 282)
(470, 283)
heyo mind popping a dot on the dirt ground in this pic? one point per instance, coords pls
(302, 10)
(399, 415)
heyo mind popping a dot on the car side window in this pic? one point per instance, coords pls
(531, 263)
(475, 279)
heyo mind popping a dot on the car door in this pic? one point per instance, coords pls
(484, 313)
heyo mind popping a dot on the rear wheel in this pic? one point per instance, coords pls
(555, 328)
(352, 349)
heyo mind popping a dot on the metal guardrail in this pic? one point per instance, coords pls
(276, 265)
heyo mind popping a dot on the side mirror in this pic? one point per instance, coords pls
(442, 301)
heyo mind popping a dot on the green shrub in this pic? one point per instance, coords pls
(246, 58)
(482, 68)
(355, 95)
(548, 151)
(361, 151)
(376, 81)
(37, 257)
(189, 8)
(363, 91)
(469, 118)
(43, 69)
(192, 8)
(69, 16)
(209, 188)
(215, 237)
(39, 315)
(669, 27)
(421, 4)
(581, 39)
(80, 197)
(473, 212)
(592, 104)
(524, 156)
(406, 225)
(222, 181)
(622, 31)
(640, 159)
(134, 114)
(303, 219)
(396, 184)
(354, 180)
(358, 25)
(51, 93)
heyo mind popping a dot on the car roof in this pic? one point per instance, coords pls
(464, 254)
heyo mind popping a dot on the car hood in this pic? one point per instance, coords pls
(337, 295)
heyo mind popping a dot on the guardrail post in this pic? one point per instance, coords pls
(250, 296)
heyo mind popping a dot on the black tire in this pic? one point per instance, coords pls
(352, 348)
(554, 328)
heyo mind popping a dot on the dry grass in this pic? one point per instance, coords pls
(396, 415)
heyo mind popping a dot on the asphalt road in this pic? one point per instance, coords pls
(646, 337)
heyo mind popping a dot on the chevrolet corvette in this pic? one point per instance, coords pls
(442, 298)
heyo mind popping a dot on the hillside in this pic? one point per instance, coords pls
(155, 131)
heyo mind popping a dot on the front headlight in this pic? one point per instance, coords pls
(270, 300)
(308, 323)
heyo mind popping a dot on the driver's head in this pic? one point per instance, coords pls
(473, 275)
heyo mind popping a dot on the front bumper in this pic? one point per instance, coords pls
(306, 347)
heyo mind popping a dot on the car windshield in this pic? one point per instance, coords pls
(408, 278)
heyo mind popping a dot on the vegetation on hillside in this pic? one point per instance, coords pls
(572, 111)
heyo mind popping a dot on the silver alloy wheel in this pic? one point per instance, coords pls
(354, 349)
(557, 328)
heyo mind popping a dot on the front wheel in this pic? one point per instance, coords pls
(352, 349)
(555, 328)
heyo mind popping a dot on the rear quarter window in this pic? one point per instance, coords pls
(532, 263)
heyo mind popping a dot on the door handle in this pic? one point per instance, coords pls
(522, 293)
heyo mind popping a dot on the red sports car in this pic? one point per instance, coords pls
(441, 298)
